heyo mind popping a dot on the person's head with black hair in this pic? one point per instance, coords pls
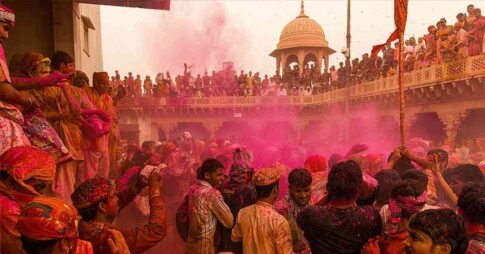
(80, 79)
(402, 165)
(211, 171)
(407, 198)
(149, 147)
(62, 62)
(266, 182)
(471, 206)
(461, 175)
(436, 231)
(418, 176)
(386, 180)
(300, 186)
(442, 157)
(344, 182)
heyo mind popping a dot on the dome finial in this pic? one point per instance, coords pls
(302, 11)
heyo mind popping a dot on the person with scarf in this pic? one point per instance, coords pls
(11, 118)
(60, 113)
(50, 225)
(98, 203)
(237, 193)
(317, 166)
(25, 173)
(408, 197)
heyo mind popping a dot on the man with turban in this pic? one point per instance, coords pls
(317, 166)
(99, 154)
(25, 173)
(49, 225)
(11, 134)
(98, 204)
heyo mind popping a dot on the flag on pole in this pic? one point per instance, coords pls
(400, 17)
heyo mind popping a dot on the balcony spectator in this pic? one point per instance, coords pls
(130, 84)
(462, 37)
(138, 86)
(148, 86)
(477, 31)
(470, 9)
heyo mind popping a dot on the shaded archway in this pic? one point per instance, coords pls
(234, 131)
(310, 60)
(291, 62)
(472, 126)
(429, 127)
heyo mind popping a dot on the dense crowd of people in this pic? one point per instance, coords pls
(67, 185)
(441, 44)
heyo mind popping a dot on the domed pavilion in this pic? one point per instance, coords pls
(301, 41)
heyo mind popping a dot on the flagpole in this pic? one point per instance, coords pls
(402, 95)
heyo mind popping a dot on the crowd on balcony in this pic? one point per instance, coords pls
(65, 176)
(441, 44)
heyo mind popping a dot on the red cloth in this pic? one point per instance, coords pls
(316, 163)
(91, 192)
(7, 15)
(25, 162)
(400, 18)
(47, 218)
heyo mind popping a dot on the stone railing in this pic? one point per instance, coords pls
(457, 70)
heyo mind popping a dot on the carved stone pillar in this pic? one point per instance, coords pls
(278, 65)
(452, 121)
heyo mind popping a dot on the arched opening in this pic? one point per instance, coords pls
(291, 62)
(428, 126)
(472, 126)
(234, 131)
(310, 61)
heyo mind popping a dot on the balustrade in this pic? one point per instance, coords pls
(469, 67)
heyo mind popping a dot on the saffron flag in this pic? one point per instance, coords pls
(147, 4)
(400, 17)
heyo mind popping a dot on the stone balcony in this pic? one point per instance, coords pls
(449, 80)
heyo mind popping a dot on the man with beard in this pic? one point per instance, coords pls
(98, 204)
(300, 189)
(471, 206)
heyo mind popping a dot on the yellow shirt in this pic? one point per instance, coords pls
(262, 230)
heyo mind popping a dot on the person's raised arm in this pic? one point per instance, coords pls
(436, 168)
(36, 83)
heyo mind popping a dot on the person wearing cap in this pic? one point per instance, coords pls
(49, 225)
(25, 173)
(260, 227)
(98, 152)
(98, 203)
(11, 133)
